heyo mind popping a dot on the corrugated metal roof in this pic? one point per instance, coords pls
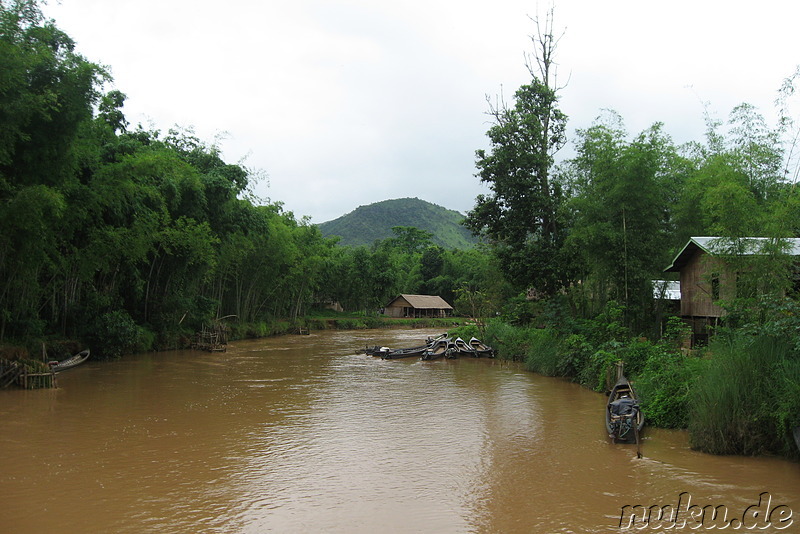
(666, 289)
(745, 246)
(425, 302)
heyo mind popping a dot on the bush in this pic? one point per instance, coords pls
(509, 342)
(787, 408)
(575, 353)
(734, 410)
(116, 333)
(350, 324)
(542, 355)
(666, 387)
(636, 353)
(598, 369)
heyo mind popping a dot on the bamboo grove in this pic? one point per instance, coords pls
(129, 238)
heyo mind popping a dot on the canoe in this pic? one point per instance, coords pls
(463, 348)
(376, 350)
(624, 419)
(70, 362)
(437, 349)
(481, 348)
(404, 353)
(452, 349)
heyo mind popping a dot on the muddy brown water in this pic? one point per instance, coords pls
(301, 434)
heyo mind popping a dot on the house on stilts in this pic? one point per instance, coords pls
(713, 270)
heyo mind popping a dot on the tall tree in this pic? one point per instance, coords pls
(521, 215)
(622, 228)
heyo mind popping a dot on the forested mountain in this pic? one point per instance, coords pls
(367, 224)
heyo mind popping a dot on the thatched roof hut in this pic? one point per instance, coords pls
(418, 306)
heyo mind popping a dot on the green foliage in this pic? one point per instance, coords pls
(787, 405)
(746, 398)
(521, 215)
(115, 333)
(520, 310)
(676, 331)
(621, 231)
(666, 386)
(575, 354)
(598, 369)
(543, 353)
(350, 324)
(139, 236)
(508, 341)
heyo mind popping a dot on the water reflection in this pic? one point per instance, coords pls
(300, 434)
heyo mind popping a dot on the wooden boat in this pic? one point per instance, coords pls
(463, 348)
(404, 353)
(437, 349)
(452, 350)
(480, 348)
(624, 419)
(70, 362)
(376, 350)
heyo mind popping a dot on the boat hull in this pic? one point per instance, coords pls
(71, 362)
(624, 419)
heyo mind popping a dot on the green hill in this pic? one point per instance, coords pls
(366, 224)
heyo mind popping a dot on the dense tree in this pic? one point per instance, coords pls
(521, 215)
(622, 231)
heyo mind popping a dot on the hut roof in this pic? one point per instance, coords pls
(425, 302)
(721, 246)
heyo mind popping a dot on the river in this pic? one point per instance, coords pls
(302, 434)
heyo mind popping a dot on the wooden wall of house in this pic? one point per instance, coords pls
(698, 286)
(394, 311)
(396, 307)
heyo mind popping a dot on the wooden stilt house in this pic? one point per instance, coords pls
(711, 271)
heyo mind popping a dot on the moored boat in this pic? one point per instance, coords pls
(376, 350)
(70, 362)
(480, 348)
(463, 348)
(404, 353)
(624, 419)
(437, 349)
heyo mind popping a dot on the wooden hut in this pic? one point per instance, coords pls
(418, 306)
(709, 275)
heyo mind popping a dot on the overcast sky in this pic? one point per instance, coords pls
(342, 103)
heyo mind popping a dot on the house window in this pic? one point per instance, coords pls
(715, 286)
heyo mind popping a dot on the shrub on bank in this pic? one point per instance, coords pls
(746, 402)
(542, 353)
(116, 333)
(666, 387)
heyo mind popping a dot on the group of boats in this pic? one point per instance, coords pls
(434, 348)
